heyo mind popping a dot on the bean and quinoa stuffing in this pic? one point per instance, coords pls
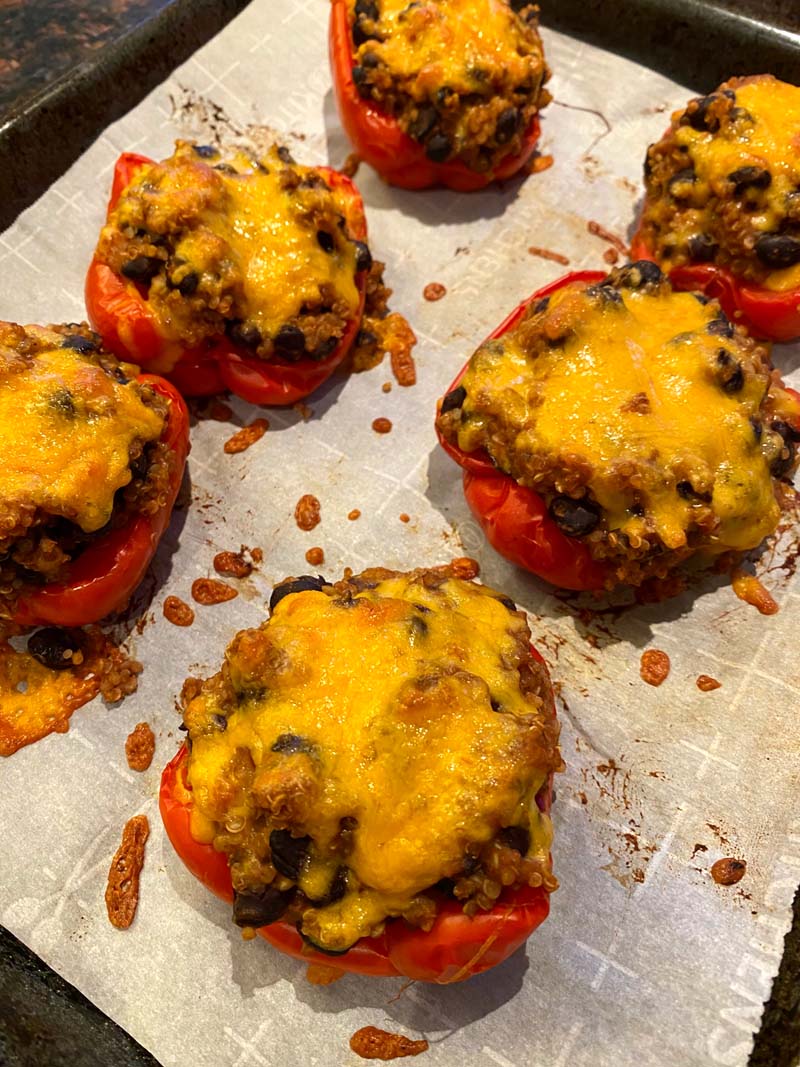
(464, 78)
(82, 451)
(251, 246)
(307, 754)
(653, 428)
(723, 184)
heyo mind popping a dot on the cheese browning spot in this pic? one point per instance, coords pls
(651, 427)
(140, 747)
(122, 891)
(654, 667)
(375, 710)
(370, 1043)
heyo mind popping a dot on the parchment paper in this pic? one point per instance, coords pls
(644, 960)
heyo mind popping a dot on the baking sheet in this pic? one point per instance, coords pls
(644, 960)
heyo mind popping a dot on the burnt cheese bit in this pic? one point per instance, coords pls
(227, 243)
(649, 425)
(463, 78)
(81, 447)
(722, 184)
(347, 706)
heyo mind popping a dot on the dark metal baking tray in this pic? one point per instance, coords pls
(43, 1019)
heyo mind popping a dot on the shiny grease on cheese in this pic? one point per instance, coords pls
(646, 405)
(397, 721)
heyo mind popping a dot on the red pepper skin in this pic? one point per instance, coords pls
(767, 314)
(514, 518)
(103, 578)
(454, 949)
(119, 311)
(379, 140)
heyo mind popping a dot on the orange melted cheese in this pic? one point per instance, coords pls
(419, 731)
(453, 43)
(66, 431)
(636, 389)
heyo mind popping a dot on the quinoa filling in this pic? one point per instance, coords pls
(652, 427)
(464, 78)
(723, 184)
(88, 455)
(252, 247)
(350, 789)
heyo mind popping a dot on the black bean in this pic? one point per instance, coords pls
(541, 305)
(750, 178)
(471, 863)
(495, 704)
(79, 343)
(295, 585)
(418, 628)
(516, 837)
(205, 151)
(423, 124)
(290, 341)
(62, 402)
(637, 510)
(360, 34)
(438, 149)
(778, 250)
(688, 492)
(289, 854)
(320, 948)
(324, 348)
(363, 256)
(141, 268)
(640, 273)
(758, 428)
(335, 891)
(366, 337)
(701, 298)
(787, 432)
(243, 333)
(326, 241)
(284, 155)
(368, 9)
(683, 178)
(54, 648)
(219, 721)
(454, 399)
(697, 114)
(741, 114)
(784, 461)
(519, 5)
(731, 373)
(507, 602)
(606, 293)
(260, 907)
(361, 80)
(370, 60)
(507, 125)
(577, 518)
(721, 326)
(225, 168)
(702, 248)
(187, 286)
(291, 744)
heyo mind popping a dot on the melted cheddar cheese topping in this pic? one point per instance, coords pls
(67, 429)
(457, 44)
(398, 722)
(637, 402)
(233, 242)
(723, 183)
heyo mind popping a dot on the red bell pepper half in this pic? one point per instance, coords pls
(514, 518)
(119, 311)
(104, 576)
(768, 314)
(455, 948)
(379, 140)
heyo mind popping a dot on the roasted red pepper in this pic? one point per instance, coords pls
(455, 948)
(104, 576)
(119, 311)
(768, 314)
(514, 518)
(379, 140)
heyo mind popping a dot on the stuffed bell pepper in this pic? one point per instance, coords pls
(368, 777)
(442, 92)
(722, 205)
(612, 429)
(93, 458)
(227, 270)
